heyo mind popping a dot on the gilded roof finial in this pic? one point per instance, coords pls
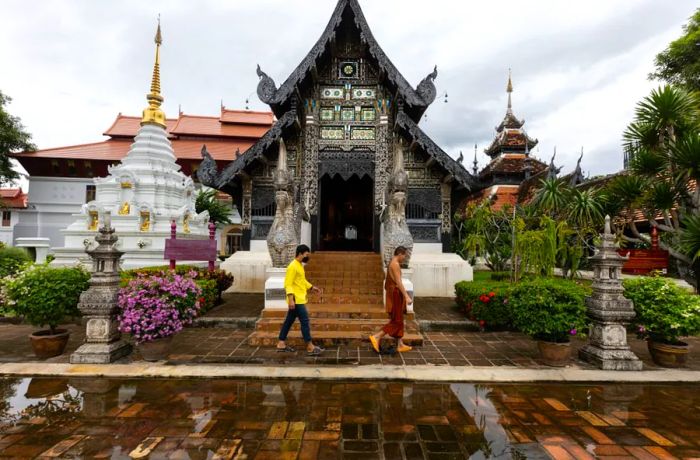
(153, 113)
(509, 89)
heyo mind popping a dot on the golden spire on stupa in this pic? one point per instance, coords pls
(509, 89)
(153, 114)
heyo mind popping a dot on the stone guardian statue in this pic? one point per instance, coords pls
(283, 238)
(395, 230)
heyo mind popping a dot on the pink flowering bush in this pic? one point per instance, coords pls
(158, 305)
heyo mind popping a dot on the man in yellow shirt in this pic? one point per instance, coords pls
(297, 287)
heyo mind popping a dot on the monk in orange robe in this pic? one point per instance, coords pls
(397, 300)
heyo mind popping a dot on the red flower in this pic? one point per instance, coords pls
(492, 294)
(202, 300)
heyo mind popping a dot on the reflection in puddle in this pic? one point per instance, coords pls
(99, 418)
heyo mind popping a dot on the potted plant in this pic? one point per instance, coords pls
(156, 306)
(45, 296)
(550, 311)
(665, 314)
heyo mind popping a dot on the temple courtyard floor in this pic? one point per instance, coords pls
(453, 350)
(464, 394)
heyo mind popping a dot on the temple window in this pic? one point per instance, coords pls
(6, 218)
(55, 167)
(90, 193)
(72, 170)
(87, 165)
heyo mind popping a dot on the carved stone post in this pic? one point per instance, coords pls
(609, 311)
(103, 343)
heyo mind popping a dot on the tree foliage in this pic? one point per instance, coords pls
(679, 64)
(660, 187)
(13, 138)
(219, 212)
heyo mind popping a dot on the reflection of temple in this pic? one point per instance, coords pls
(342, 114)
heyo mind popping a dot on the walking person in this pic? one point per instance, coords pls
(397, 300)
(297, 287)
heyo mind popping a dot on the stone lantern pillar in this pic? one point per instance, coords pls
(609, 311)
(103, 343)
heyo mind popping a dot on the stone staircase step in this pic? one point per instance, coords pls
(333, 324)
(323, 338)
(357, 311)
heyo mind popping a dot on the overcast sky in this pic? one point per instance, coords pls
(578, 67)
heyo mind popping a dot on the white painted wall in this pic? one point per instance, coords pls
(6, 233)
(51, 205)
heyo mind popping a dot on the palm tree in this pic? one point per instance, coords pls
(552, 196)
(662, 184)
(207, 200)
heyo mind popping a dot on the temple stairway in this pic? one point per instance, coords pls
(350, 308)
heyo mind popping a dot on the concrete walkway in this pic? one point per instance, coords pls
(441, 374)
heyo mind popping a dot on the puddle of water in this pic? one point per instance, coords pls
(202, 419)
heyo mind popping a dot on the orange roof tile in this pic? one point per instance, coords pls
(116, 149)
(194, 125)
(127, 126)
(246, 117)
(13, 198)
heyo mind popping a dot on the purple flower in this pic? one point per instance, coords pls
(573, 331)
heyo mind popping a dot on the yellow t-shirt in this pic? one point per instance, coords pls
(295, 282)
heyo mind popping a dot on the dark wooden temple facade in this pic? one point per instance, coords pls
(341, 114)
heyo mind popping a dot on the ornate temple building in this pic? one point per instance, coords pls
(343, 114)
(511, 164)
(62, 180)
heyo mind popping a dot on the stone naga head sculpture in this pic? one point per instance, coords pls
(395, 231)
(283, 238)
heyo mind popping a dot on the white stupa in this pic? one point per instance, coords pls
(144, 193)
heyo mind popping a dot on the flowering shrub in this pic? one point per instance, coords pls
(159, 305)
(46, 295)
(665, 312)
(222, 279)
(547, 309)
(486, 302)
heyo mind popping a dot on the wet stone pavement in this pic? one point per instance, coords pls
(230, 346)
(224, 419)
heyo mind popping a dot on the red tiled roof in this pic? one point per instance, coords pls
(193, 125)
(127, 126)
(116, 149)
(13, 198)
(501, 196)
(510, 163)
(246, 117)
(231, 123)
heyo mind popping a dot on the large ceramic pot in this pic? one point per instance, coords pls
(666, 355)
(47, 345)
(555, 354)
(156, 350)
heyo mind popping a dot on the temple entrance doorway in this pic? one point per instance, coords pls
(347, 214)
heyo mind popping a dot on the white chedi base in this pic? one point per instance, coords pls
(249, 270)
(435, 273)
(144, 194)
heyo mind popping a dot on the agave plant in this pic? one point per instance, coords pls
(552, 196)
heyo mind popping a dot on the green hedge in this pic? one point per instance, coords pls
(46, 295)
(12, 260)
(549, 309)
(486, 302)
(665, 312)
